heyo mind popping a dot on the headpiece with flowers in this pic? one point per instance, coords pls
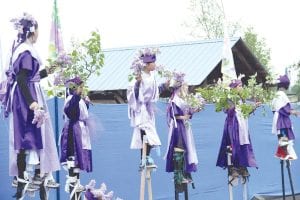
(24, 24)
(73, 82)
(142, 57)
(177, 79)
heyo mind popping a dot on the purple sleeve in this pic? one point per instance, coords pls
(72, 108)
(285, 110)
(26, 61)
(161, 88)
(137, 89)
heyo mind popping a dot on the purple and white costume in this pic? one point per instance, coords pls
(282, 124)
(141, 110)
(38, 143)
(77, 116)
(180, 133)
(236, 135)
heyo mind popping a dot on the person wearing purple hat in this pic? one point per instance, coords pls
(142, 94)
(33, 153)
(236, 140)
(282, 125)
(76, 152)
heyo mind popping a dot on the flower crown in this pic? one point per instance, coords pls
(26, 21)
(74, 82)
(148, 52)
(177, 79)
(143, 56)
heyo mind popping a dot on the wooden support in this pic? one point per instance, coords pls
(145, 174)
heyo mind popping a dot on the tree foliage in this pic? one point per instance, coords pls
(84, 59)
(207, 20)
(208, 23)
(257, 46)
(296, 87)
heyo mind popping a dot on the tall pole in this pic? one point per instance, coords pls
(56, 126)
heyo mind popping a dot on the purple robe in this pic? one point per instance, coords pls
(284, 121)
(24, 134)
(76, 114)
(179, 138)
(242, 155)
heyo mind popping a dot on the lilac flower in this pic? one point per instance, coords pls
(137, 66)
(195, 102)
(59, 79)
(99, 193)
(39, 117)
(63, 60)
(178, 76)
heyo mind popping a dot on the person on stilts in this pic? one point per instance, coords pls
(181, 156)
(142, 94)
(33, 154)
(76, 152)
(236, 142)
(282, 127)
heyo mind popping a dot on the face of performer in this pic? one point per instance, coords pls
(150, 67)
(80, 89)
(33, 36)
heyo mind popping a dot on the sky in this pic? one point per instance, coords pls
(123, 23)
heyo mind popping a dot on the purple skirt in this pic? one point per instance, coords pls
(83, 157)
(242, 155)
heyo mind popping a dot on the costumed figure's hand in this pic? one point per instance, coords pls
(39, 117)
(50, 69)
(34, 105)
(138, 77)
(167, 83)
(295, 112)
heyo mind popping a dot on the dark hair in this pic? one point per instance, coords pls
(26, 29)
(283, 85)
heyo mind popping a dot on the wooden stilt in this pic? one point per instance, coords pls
(288, 164)
(145, 174)
(282, 180)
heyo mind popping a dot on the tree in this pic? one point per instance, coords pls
(257, 46)
(85, 58)
(208, 23)
(296, 88)
(208, 20)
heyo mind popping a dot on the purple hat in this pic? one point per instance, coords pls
(148, 58)
(234, 83)
(148, 55)
(284, 82)
(72, 83)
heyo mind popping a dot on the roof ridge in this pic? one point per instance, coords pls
(170, 44)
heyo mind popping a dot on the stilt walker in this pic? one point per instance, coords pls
(33, 154)
(142, 93)
(282, 127)
(236, 152)
(76, 152)
(181, 156)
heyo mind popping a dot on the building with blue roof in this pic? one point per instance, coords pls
(199, 60)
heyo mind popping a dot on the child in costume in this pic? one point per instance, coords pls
(142, 94)
(76, 153)
(236, 139)
(181, 145)
(32, 144)
(282, 125)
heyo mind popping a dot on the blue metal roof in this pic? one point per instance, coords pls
(196, 59)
